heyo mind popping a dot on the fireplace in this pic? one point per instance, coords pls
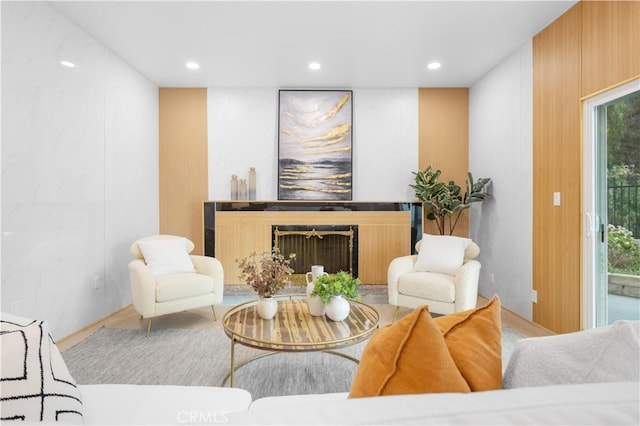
(333, 246)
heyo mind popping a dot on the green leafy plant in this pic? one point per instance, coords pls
(444, 202)
(338, 284)
(623, 251)
(268, 274)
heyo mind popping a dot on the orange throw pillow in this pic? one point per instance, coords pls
(409, 356)
(474, 339)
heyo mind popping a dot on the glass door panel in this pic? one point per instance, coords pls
(619, 148)
(611, 202)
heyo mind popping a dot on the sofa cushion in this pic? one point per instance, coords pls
(36, 384)
(586, 404)
(117, 404)
(409, 356)
(288, 401)
(603, 354)
(441, 287)
(474, 340)
(181, 286)
(166, 255)
(443, 254)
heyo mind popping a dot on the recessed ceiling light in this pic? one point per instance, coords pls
(314, 66)
(67, 64)
(433, 65)
(193, 65)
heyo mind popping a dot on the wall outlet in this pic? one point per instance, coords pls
(492, 278)
(15, 307)
(534, 296)
(96, 282)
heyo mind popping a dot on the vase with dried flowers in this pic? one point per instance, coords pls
(267, 274)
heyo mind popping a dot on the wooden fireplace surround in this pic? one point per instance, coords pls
(234, 229)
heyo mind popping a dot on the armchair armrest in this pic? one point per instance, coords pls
(212, 267)
(398, 266)
(143, 288)
(466, 282)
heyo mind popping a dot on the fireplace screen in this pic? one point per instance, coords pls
(333, 246)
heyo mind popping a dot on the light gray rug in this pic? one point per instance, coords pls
(201, 357)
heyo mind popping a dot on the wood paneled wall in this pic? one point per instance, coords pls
(183, 163)
(591, 48)
(610, 44)
(443, 133)
(556, 165)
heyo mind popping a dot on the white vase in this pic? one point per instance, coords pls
(316, 306)
(267, 307)
(338, 308)
(310, 287)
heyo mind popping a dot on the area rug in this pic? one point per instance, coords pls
(201, 357)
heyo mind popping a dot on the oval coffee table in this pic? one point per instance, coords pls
(294, 329)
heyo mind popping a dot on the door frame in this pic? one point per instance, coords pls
(589, 186)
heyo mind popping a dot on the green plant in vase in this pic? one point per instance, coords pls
(334, 290)
(445, 202)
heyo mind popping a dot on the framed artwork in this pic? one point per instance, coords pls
(315, 144)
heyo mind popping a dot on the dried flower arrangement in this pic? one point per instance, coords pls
(268, 274)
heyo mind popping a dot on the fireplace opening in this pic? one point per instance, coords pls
(333, 246)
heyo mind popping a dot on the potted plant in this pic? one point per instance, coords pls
(333, 290)
(444, 201)
(267, 275)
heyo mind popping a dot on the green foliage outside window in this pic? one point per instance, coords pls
(623, 251)
(623, 163)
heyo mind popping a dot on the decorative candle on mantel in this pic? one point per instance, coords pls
(242, 190)
(234, 187)
(252, 183)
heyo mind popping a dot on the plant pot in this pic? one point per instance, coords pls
(338, 308)
(267, 307)
(316, 307)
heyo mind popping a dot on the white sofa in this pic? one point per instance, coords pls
(590, 377)
(581, 404)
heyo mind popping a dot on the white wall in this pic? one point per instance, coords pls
(500, 147)
(243, 133)
(79, 169)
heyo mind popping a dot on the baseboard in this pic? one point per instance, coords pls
(81, 334)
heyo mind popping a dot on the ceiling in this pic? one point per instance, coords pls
(270, 43)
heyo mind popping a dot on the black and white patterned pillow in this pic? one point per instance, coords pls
(36, 385)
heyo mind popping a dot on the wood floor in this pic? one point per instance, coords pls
(127, 317)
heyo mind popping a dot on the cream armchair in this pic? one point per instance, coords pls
(165, 278)
(443, 293)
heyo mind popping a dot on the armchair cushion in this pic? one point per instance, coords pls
(441, 287)
(182, 286)
(441, 253)
(166, 255)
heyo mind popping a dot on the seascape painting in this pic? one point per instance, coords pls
(315, 145)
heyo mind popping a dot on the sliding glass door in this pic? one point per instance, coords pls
(611, 276)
